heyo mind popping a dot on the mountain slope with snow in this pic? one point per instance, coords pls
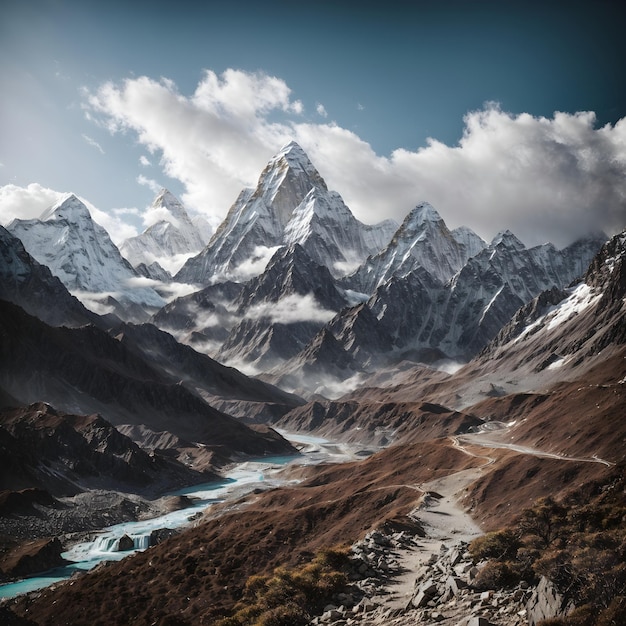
(169, 241)
(423, 240)
(81, 254)
(417, 317)
(560, 335)
(30, 285)
(291, 204)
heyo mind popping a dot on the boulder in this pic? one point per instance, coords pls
(125, 543)
(546, 602)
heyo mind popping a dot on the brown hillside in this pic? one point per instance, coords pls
(200, 574)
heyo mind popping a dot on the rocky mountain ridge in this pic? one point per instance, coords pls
(81, 254)
(417, 317)
(291, 204)
(172, 238)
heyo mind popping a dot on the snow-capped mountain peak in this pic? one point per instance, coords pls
(177, 214)
(508, 239)
(424, 212)
(291, 204)
(170, 240)
(423, 240)
(69, 208)
(81, 254)
(286, 180)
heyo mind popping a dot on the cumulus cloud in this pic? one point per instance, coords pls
(26, 203)
(31, 201)
(213, 141)
(544, 178)
(291, 309)
(143, 160)
(321, 110)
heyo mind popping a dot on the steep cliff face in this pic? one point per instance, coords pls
(32, 286)
(291, 204)
(81, 254)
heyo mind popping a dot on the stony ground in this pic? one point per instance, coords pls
(409, 579)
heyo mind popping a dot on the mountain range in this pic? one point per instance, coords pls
(169, 241)
(425, 344)
(292, 288)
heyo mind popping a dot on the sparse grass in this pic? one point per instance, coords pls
(291, 597)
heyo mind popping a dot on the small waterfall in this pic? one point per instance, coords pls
(142, 542)
(108, 543)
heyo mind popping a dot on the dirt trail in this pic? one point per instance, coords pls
(445, 522)
(480, 439)
(443, 517)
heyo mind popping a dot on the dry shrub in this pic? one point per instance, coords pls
(500, 545)
(578, 544)
(496, 575)
(291, 597)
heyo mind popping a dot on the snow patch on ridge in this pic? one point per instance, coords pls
(581, 298)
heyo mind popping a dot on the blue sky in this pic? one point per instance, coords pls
(396, 102)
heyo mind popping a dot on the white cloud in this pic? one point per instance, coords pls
(154, 214)
(93, 142)
(96, 302)
(124, 211)
(26, 203)
(544, 178)
(291, 309)
(254, 265)
(169, 291)
(143, 160)
(31, 201)
(321, 110)
(150, 183)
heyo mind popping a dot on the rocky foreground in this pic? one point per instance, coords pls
(424, 573)
(444, 590)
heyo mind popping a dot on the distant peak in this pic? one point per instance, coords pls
(69, 207)
(292, 146)
(293, 154)
(163, 194)
(507, 238)
(427, 212)
(169, 201)
(423, 213)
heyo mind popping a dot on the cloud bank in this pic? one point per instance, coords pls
(544, 178)
(290, 310)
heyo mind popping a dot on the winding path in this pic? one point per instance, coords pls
(443, 517)
(479, 440)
